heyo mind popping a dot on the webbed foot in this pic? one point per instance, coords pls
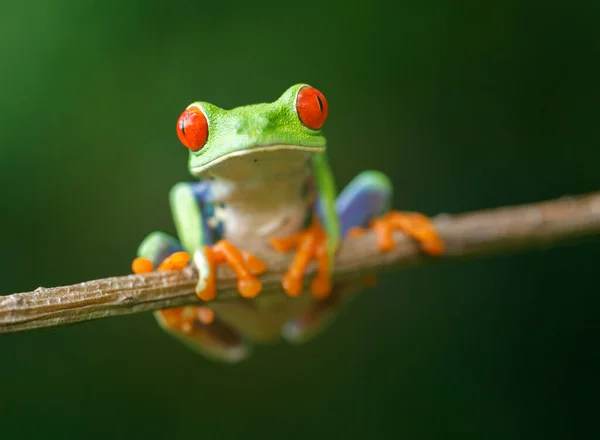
(196, 326)
(415, 225)
(310, 244)
(245, 265)
(175, 261)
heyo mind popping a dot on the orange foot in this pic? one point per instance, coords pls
(176, 261)
(415, 225)
(310, 244)
(245, 265)
(182, 317)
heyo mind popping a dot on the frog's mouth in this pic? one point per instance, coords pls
(258, 151)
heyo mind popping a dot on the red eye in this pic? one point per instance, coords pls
(312, 107)
(192, 128)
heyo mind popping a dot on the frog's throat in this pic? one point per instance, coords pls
(196, 171)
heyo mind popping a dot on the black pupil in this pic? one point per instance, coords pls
(182, 126)
(320, 103)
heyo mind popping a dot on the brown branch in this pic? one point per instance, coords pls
(479, 233)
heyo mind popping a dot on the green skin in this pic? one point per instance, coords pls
(257, 160)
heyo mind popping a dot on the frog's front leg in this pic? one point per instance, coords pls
(367, 196)
(195, 326)
(364, 202)
(198, 228)
(198, 326)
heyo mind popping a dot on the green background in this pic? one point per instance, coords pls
(466, 105)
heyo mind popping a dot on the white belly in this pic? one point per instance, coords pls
(245, 224)
(261, 196)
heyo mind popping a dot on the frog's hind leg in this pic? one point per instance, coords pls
(366, 197)
(197, 327)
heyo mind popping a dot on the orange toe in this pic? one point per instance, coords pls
(321, 286)
(311, 244)
(383, 232)
(415, 225)
(356, 231)
(285, 244)
(245, 265)
(205, 315)
(292, 284)
(249, 287)
(176, 261)
(142, 265)
(180, 318)
(255, 264)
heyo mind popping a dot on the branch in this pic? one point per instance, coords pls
(478, 233)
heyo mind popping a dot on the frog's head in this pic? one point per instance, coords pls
(292, 123)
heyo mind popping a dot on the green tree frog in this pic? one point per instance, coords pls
(264, 179)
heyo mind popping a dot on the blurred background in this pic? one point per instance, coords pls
(466, 106)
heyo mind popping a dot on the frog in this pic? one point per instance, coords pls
(263, 180)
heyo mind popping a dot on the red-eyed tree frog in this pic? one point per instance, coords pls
(264, 176)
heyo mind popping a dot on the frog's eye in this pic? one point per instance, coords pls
(192, 128)
(312, 107)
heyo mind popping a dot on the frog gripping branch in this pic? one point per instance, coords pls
(264, 175)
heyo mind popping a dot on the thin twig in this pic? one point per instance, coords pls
(478, 233)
